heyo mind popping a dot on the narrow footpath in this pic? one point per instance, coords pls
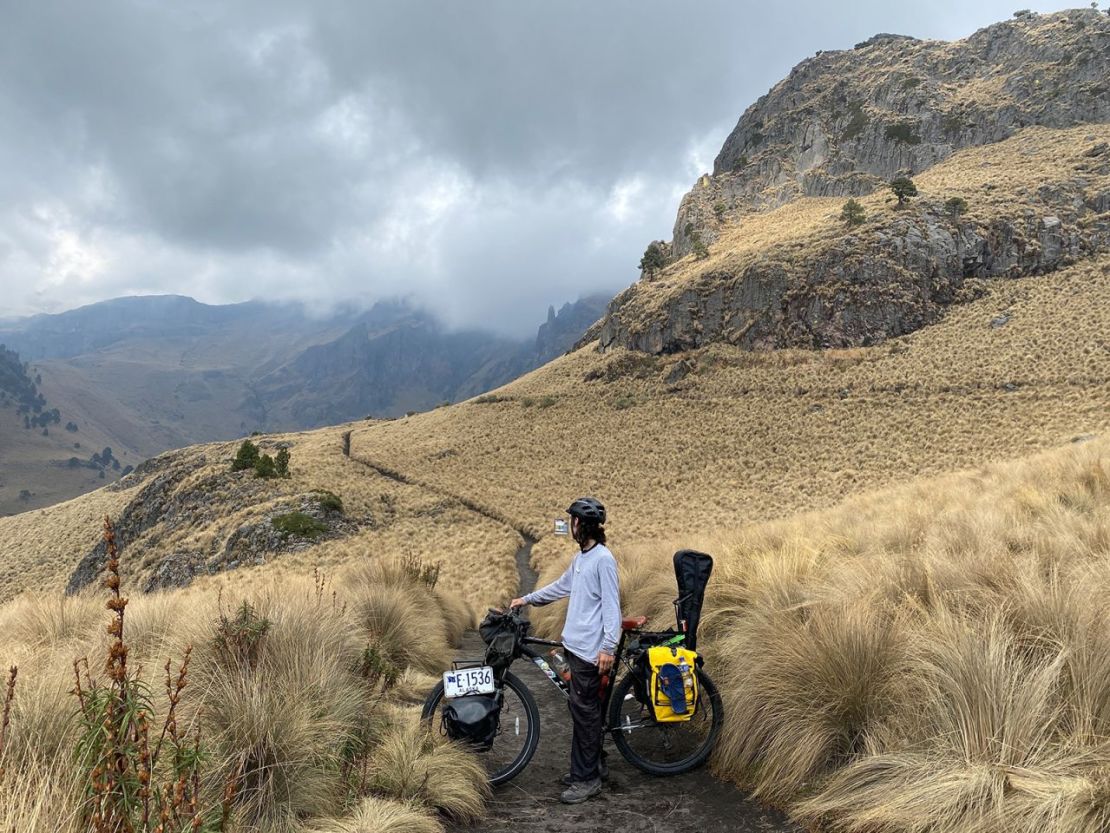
(633, 802)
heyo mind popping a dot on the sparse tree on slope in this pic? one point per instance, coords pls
(654, 259)
(281, 463)
(852, 213)
(903, 189)
(246, 457)
(956, 206)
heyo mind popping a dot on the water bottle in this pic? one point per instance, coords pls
(560, 664)
(687, 673)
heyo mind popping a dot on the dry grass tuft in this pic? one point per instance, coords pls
(413, 765)
(376, 815)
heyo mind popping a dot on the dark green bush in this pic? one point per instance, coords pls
(299, 525)
(903, 132)
(265, 467)
(328, 501)
(245, 457)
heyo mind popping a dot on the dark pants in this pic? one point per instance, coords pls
(585, 712)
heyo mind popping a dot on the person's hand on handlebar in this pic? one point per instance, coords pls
(515, 604)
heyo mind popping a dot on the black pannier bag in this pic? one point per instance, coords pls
(502, 637)
(473, 720)
(692, 570)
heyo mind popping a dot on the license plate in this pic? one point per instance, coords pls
(468, 681)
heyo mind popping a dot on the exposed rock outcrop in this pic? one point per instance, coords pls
(178, 492)
(844, 124)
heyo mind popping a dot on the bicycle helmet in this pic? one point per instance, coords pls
(588, 509)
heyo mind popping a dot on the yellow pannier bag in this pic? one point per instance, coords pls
(673, 684)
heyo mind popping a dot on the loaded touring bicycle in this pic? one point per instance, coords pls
(662, 710)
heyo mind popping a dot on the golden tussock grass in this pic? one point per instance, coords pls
(290, 686)
(376, 816)
(934, 657)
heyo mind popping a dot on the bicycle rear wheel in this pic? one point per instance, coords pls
(518, 732)
(665, 748)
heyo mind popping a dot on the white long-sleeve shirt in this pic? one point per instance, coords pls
(593, 621)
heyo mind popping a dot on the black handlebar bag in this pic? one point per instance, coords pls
(692, 570)
(502, 634)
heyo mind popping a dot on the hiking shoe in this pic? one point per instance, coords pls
(581, 791)
(602, 770)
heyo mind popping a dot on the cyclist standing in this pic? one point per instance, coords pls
(590, 635)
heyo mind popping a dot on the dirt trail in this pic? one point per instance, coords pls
(632, 802)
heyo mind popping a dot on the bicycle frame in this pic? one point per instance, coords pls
(619, 659)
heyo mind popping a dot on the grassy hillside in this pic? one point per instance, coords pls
(927, 657)
(745, 436)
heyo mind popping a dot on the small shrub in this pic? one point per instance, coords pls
(857, 123)
(239, 638)
(299, 525)
(528, 401)
(623, 403)
(245, 457)
(701, 251)
(903, 133)
(137, 776)
(546, 402)
(719, 209)
(688, 229)
(328, 501)
(852, 213)
(415, 568)
(377, 669)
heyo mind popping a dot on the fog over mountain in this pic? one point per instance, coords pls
(482, 160)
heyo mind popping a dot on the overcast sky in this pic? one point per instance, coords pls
(484, 158)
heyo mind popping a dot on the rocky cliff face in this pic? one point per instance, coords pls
(562, 329)
(844, 124)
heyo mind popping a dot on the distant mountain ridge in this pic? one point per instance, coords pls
(142, 375)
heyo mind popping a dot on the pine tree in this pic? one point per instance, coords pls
(264, 467)
(956, 206)
(903, 188)
(655, 258)
(246, 457)
(281, 463)
(852, 213)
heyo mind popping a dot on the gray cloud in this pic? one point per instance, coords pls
(482, 158)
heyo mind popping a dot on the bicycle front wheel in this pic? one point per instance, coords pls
(665, 748)
(518, 731)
